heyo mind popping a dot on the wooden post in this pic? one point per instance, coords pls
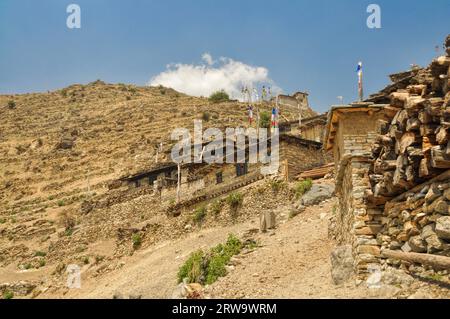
(179, 183)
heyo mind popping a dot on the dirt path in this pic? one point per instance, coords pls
(151, 273)
(293, 262)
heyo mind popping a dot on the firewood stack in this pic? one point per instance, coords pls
(413, 145)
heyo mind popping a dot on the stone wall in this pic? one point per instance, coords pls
(356, 223)
(300, 158)
(313, 132)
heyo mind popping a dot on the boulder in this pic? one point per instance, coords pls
(417, 244)
(406, 247)
(396, 277)
(341, 264)
(66, 143)
(443, 227)
(433, 241)
(317, 194)
(267, 221)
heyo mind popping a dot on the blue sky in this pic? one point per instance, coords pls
(305, 45)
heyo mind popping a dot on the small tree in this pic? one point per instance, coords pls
(219, 96)
(11, 104)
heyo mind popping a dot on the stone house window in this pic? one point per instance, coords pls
(241, 169)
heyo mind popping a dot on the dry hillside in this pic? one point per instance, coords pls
(59, 149)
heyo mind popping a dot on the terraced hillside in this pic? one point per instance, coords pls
(57, 143)
(59, 149)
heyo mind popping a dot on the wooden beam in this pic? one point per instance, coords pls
(435, 261)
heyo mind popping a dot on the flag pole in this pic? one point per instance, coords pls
(360, 82)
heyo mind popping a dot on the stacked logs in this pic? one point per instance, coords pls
(414, 143)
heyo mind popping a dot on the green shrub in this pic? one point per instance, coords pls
(277, 185)
(205, 268)
(219, 96)
(61, 203)
(192, 268)
(137, 240)
(264, 119)
(216, 267)
(8, 294)
(435, 277)
(216, 207)
(220, 257)
(199, 214)
(302, 187)
(11, 104)
(235, 200)
(233, 245)
(2, 220)
(42, 263)
(40, 254)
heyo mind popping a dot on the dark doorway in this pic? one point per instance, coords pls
(241, 169)
(219, 177)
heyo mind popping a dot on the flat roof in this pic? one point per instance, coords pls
(333, 117)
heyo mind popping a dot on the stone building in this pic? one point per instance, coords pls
(351, 131)
(198, 179)
(313, 128)
(298, 155)
(297, 101)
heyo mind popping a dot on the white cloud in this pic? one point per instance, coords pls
(208, 59)
(211, 76)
